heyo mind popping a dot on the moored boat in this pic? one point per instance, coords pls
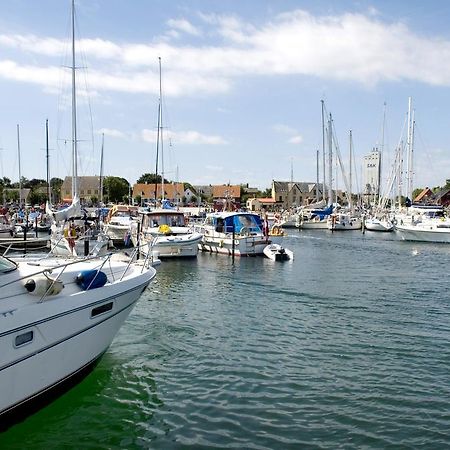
(343, 222)
(276, 252)
(431, 230)
(238, 233)
(376, 224)
(117, 224)
(167, 233)
(58, 317)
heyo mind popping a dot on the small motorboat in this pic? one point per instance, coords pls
(276, 252)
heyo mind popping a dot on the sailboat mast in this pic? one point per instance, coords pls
(411, 176)
(381, 154)
(157, 133)
(20, 172)
(74, 113)
(47, 157)
(317, 175)
(330, 162)
(323, 149)
(350, 173)
(161, 132)
(409, 152)
(101, 169)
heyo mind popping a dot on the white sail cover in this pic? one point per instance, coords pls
(73, 210)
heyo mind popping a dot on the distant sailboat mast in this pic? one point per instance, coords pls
(317, 176)
(323, 151)
(20, 172)
(409, 153)
(380, 166)
(330, 162)
(411, 177)
(74, 114)
(47, 157)
(101, 169)
(159, 137)
(350, 172)
(161, 133)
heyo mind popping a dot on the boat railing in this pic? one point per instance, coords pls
(103, 260)
(46, 271)
(88, 236)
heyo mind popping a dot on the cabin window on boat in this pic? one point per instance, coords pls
(101, 309)
(178, 220)
(219, 225)
(248, 222)
(24, 338)
(155, 221)
(6, 265)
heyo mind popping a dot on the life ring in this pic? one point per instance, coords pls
(164, 229)
(276, 230)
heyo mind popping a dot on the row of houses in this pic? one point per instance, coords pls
(441, 197)
(177, 193)
(284, 194)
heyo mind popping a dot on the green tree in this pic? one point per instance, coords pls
(33, 183)
(5, 182)
(115, 189)
(151, 178)
(55, 184)
(37, 197)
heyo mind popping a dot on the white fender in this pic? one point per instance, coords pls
(42, 284)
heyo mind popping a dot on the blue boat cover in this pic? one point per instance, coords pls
(91, 279)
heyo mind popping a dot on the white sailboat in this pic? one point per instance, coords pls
(375, 223)
(71, 232)
(345, 220)
(314, 217)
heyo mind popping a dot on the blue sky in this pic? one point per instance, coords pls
(242, 85)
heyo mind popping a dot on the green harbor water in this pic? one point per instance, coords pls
(347, 346)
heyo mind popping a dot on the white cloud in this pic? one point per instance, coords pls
(209, 167)
(351, 47)
(184, 25)
(284, 129)
(184, 137)
(113, 133)
(296, 139)
(45, 76)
